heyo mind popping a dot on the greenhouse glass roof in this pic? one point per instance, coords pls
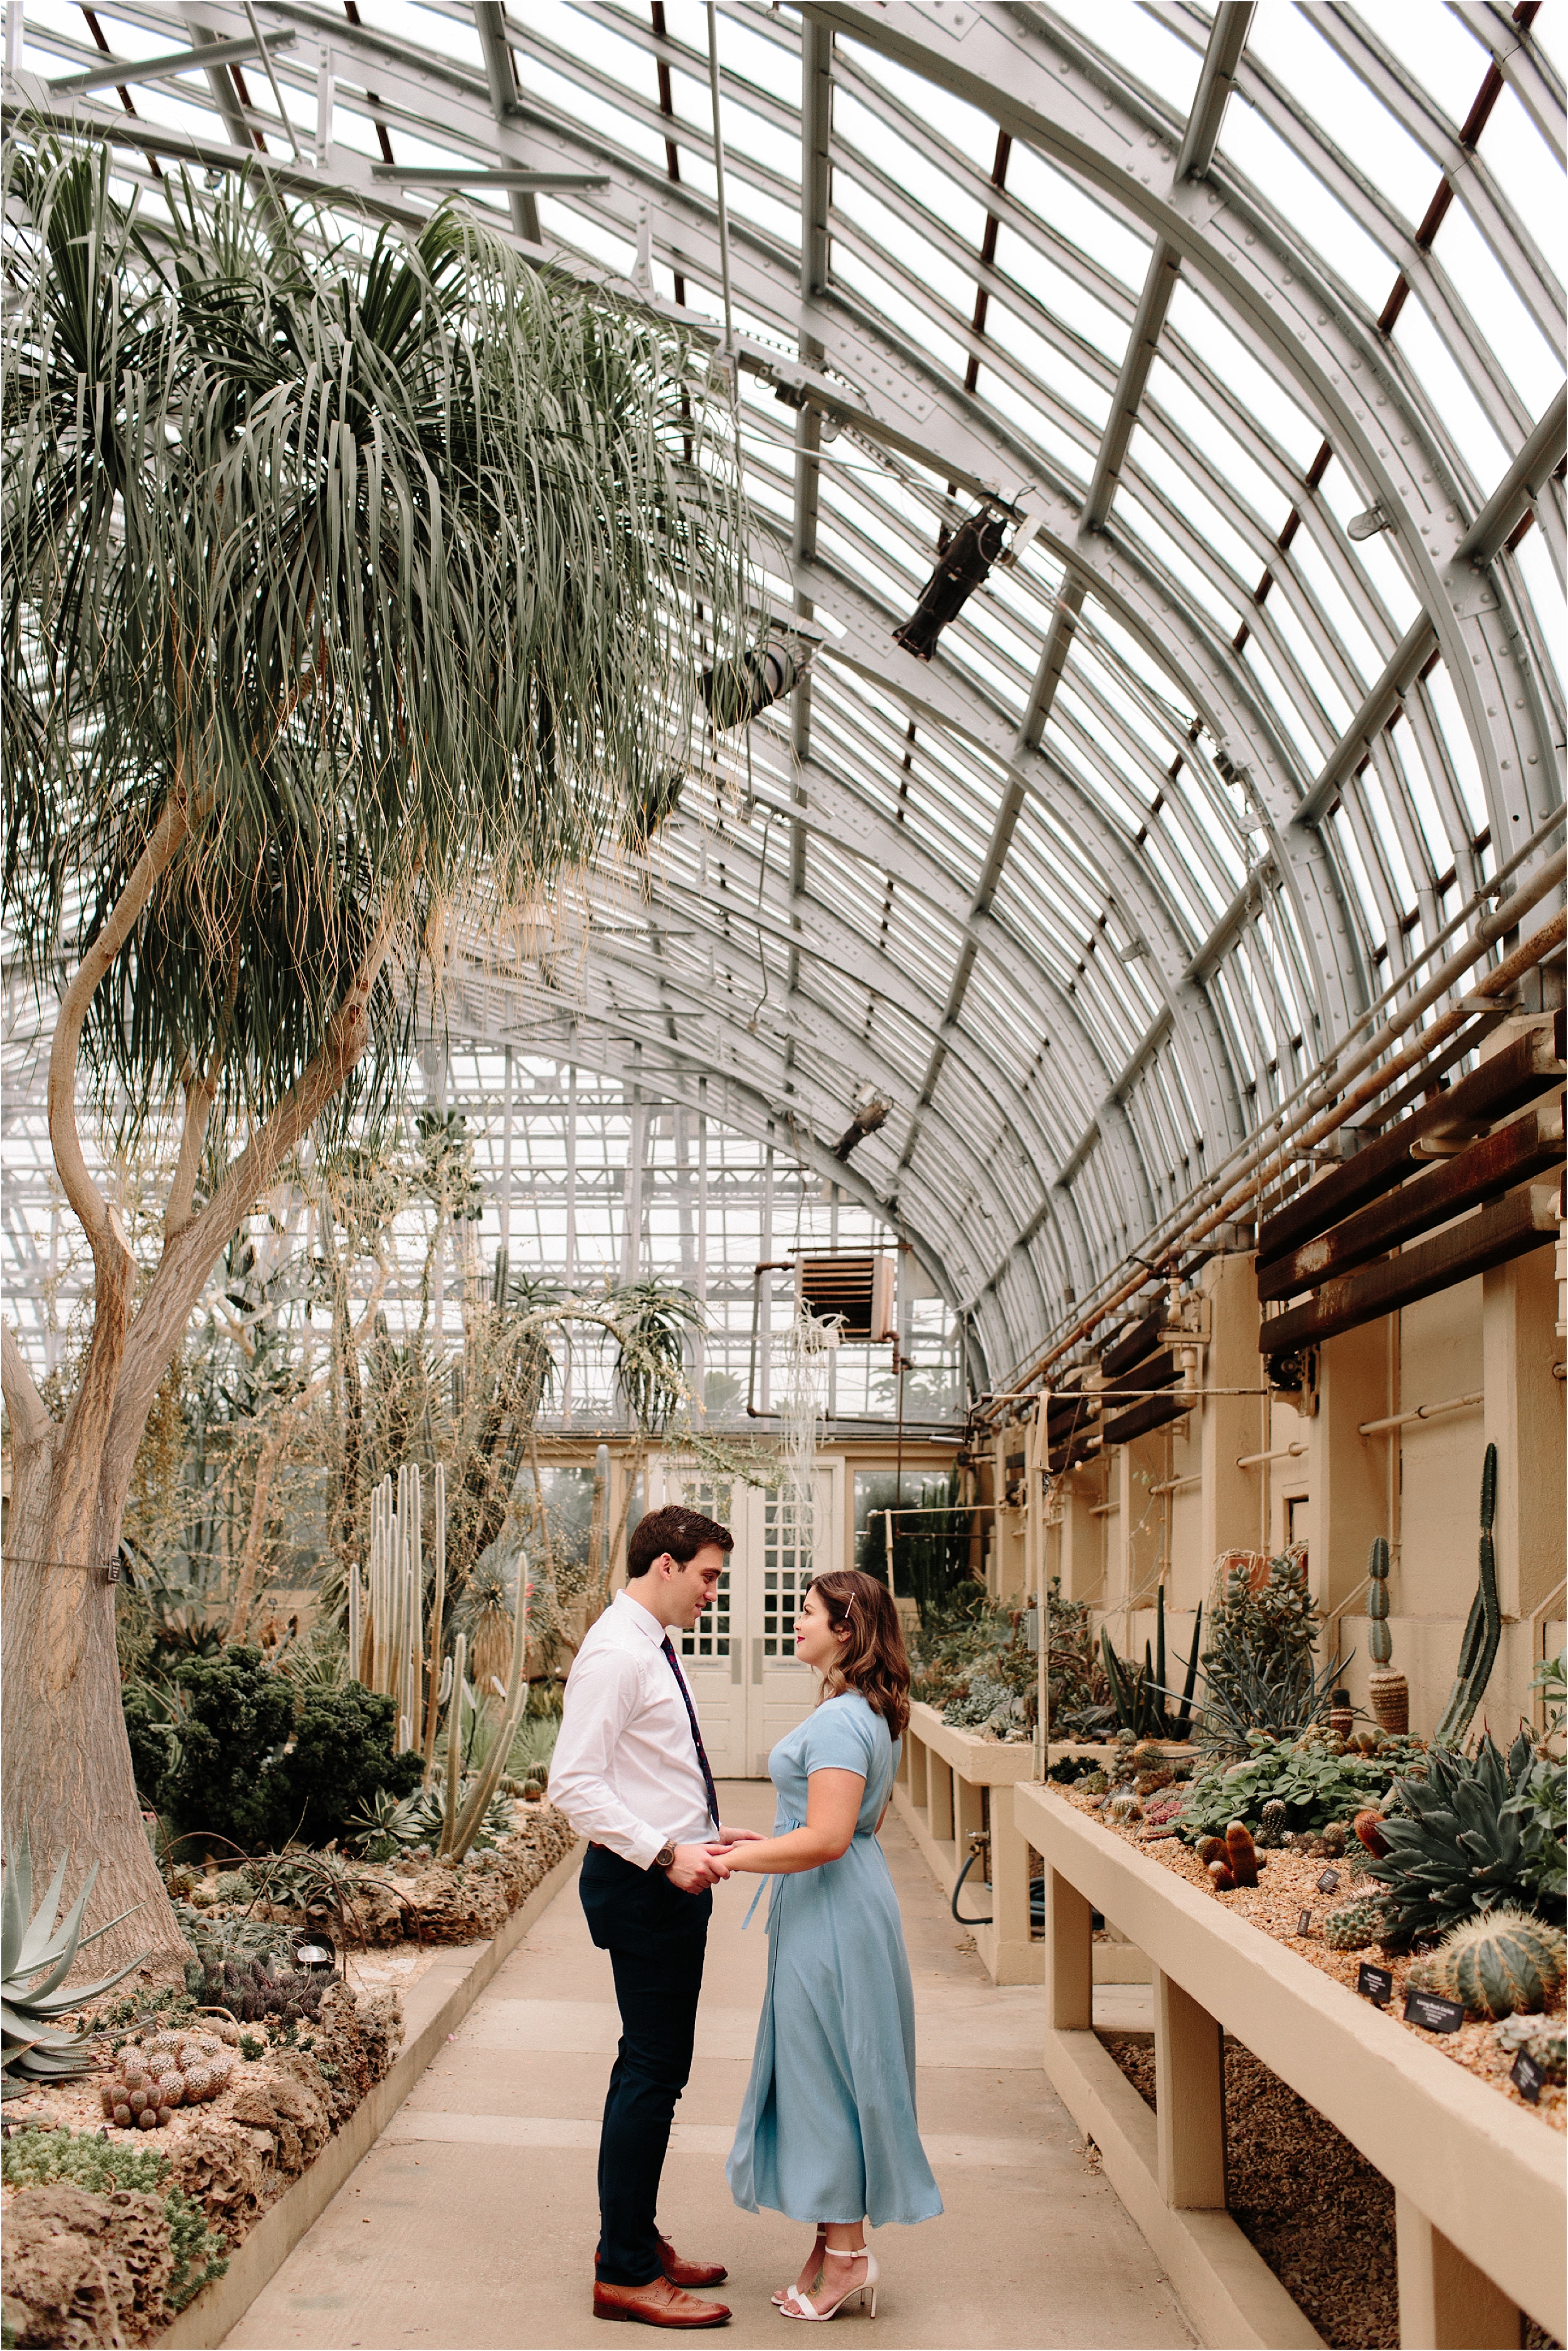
(1245, 328)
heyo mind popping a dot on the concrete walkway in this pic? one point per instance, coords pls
(472, 2222)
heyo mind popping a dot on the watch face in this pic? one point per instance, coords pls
(663, 1857)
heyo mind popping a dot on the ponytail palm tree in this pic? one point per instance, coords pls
(340, 582)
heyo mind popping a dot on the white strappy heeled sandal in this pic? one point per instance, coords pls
(800, 2306)
(781, 2296)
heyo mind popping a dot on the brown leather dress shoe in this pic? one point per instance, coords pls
(659, 2304)
(689, 2273)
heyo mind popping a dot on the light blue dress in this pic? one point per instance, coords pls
(828, 2131)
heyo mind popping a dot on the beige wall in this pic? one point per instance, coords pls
(1419, 1486)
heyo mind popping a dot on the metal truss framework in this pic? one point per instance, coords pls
(1195, 775)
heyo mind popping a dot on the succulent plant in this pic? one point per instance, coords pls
(255, 1992)
(1460, 1841)
(1483, 1628)
(1271, 1826)
(1123, 1809)
(32, 1944)
(1331, 1844)
(1368, 1829)
(1212, 1849)
(1504, 1963)
(1541, 2036)
(1241, 1853)
(174, 2070)
(1356, 1923)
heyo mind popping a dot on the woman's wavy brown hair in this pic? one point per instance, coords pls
(875, 1661)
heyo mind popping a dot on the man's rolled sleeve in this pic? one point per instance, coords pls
(600, 1698)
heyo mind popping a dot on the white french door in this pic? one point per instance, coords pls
(741, 1661)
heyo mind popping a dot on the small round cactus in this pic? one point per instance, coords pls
(1271, 1826)
(175, 2070)
(1355, 1924)
(1123, 1809)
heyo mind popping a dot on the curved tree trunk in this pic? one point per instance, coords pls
(68, 1762)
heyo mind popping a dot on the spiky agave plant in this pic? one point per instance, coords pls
(36, 1946)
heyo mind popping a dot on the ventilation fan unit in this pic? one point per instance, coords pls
(857, 1291)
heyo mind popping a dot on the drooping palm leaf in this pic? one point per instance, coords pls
(392, 569)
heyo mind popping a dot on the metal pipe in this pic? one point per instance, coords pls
(1284, 1453)
(1422, 1412)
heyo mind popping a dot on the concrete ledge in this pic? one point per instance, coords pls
(434, 2007)
(1485, 2173)
(1228, 2292)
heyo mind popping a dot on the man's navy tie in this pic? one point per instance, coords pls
(696, 1734)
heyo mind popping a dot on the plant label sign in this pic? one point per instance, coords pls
(1374, 1983)
(1329, 1882)
(1432, 2013)
(1304, 1923)
(1527, 2076)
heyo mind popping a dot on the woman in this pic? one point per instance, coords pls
(828, 2131)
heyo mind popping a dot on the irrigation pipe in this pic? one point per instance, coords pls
(1313, 1120)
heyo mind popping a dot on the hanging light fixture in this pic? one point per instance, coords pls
(734, 691)
(869, 1111)
(963, 567)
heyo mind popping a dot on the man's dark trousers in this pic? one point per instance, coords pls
(657, 1938)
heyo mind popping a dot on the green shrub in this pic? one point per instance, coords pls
(343, 1755)
(156, 1748)
(240, 1713)
(231, 1778)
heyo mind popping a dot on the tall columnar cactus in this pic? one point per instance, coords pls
(1478, 1652)
(1380, 1643)
(1388, 1692)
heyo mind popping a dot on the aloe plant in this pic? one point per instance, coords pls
(34, 1945)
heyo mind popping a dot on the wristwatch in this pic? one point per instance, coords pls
(665, 1856)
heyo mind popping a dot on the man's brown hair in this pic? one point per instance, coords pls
(681, 1532)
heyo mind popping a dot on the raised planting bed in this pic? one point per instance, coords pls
(1478, 2176)
(954, 1786)
(91, 2261)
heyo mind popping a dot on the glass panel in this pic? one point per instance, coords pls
(786, 1576)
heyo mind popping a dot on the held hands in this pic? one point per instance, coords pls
(696, 1867)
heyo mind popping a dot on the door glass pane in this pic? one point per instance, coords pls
(710, 1638)
(786, 1574)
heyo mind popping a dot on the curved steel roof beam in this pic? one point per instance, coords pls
(1016, 68)
(494, 1002)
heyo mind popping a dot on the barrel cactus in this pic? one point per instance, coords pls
(1356, 1924)
(1504, 1963)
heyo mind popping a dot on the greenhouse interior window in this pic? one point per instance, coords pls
(784, 1058)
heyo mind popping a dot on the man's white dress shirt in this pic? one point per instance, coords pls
(625, 1770)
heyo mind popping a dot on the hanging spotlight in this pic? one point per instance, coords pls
(1368, 523)
(734, 691)
(965, 562)
(868, 1111)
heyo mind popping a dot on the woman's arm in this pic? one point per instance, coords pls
(834, 1801)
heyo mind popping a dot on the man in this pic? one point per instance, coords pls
(629, 1773)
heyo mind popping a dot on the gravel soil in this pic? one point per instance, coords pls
(1316, 2210)
(1287, 1885)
